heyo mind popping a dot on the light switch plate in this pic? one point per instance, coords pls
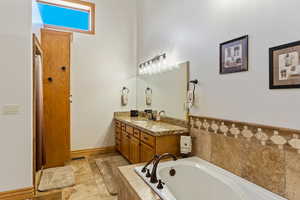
(12, 109)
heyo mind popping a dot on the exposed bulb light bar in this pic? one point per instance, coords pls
(155, 65)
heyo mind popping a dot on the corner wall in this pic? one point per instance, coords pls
(15, 87)
(101, 65)
(192, 31)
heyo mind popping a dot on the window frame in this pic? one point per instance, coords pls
(84, 3)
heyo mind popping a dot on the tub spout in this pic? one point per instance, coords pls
(152, 160)
(153, 178)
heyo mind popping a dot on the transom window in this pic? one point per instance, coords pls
(73, 15)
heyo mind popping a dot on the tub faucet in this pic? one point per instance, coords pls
(153, 178)
(152, 160)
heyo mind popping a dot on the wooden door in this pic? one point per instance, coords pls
(134, 150)
(56, 83)
(125, 145)
(147, 152)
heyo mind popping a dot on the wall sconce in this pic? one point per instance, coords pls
(156, 65)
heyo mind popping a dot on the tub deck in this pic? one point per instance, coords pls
(132, 187)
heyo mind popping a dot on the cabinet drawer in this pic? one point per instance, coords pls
(118, 134)
(129, 130)
(148, 139)
(123, 126)
(136, 133)
(118, 124)
(118, 130)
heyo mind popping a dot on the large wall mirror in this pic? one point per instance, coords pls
(165, 91)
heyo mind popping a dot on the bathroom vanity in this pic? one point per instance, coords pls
(138, 139)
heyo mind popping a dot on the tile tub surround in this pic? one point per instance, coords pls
(267, 156)
(152, 127)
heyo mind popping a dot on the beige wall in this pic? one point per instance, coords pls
(15, 88)
(192, 30)
(101, 65)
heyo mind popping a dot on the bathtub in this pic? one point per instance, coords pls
(196, 179)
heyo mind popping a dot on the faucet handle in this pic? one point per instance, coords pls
(144, 170)
(160, 184)
(148, 175)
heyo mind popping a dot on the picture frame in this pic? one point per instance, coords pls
(284, 66)
(234, 55)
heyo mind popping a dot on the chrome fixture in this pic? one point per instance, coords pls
(162, 111)
(158, 117)
(155, 65)
(153, 178)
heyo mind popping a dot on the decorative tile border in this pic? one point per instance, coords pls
(265, 135)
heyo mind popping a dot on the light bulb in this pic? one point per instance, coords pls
(155, 68)
(143, 70)
(165, 65)
(151, 68)
(159, 66)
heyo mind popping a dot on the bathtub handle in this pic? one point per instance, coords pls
(160, 184)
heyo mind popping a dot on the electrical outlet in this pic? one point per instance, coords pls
(12, 109)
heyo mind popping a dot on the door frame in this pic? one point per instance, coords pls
(36, 50)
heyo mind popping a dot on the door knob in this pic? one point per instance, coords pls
(63, 68)
(50, 79)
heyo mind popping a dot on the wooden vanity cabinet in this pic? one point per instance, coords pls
(118, 135)
(138, 146)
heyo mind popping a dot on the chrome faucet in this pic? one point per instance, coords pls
(159, 114)
(153, 178)
(162, 111)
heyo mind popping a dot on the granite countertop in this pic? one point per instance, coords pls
(155, 128)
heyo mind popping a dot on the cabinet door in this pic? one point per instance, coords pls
(134, 150)
(118, 145)
(147, 152)
(125, 145)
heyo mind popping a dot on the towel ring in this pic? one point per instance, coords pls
(148, 90)
(125, 90)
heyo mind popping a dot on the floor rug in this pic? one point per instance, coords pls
(56, 178)
(108, 168)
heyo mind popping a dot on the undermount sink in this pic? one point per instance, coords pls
(141, 122)
(158, 128)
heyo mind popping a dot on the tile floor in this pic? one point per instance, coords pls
(89, 183)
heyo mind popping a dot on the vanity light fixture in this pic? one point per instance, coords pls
(155, 65)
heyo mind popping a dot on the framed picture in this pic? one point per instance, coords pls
(234, 55)
(285, 66)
